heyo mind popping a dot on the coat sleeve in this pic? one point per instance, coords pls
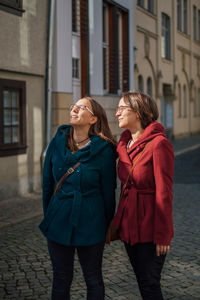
(47, 178)
(163, 163)
(108, 182)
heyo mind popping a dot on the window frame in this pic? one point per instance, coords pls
(194, 22)
(140, 3)
(117, 74)
(149, 86)
(166, 36)
(185, 16)
(140, 83)
(179, 15)
(13, 8)
(75, 68)
(19, 147)
(150, 6)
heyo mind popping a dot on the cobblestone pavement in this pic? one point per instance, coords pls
(25, 271)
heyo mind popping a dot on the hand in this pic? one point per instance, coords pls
(162, 249)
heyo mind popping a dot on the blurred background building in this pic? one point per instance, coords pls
(167, 60)
(52, 52)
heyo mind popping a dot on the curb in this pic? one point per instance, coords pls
(194, 147)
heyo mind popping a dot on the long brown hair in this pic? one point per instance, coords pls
(100, 128)
(143, 105)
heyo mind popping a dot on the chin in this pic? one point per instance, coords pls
(121, 125)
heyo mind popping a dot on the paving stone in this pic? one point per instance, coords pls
(25, 268)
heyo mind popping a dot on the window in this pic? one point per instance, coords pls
(179, 101)
(75, 68)
(185, 16)
(80, 46)
(194, 22)
(184, 101)
(140, 3)
(12, 6)
(165, 38)
(115, 44)
(105, 48)
(75, 16)
(179, 14)
(12, 117)
(140, 83)
(199, 24)
(150, 6)
(149, 86)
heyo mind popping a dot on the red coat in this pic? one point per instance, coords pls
(145, 211)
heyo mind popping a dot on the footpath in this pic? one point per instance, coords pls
(21, 208)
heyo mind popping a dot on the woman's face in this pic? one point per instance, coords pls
(127, 118)
(81, 113)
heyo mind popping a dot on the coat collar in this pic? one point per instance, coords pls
(153, 130)
(94, 148)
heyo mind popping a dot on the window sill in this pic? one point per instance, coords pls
(12, 10)
(11, 151)
(186, 35)
(147, 12)
(167, 60)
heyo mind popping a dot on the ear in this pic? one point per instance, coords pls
(137, 117)
(93, 120)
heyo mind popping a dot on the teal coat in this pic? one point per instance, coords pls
(83, 207)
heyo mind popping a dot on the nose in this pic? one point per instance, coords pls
(117, 113)
(75, 109)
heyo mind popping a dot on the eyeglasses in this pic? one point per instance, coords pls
(80, 107)
(120, 109)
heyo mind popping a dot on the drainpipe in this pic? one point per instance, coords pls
(49, 71)
(48, 83)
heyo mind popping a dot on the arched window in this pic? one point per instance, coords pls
(140, 83)
(179, 101)
(149, 86)
(184, 101)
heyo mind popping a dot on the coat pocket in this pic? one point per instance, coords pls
(53, 208)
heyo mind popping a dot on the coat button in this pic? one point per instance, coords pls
(59, 168)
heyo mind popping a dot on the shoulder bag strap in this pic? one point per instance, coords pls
(131, 170)
(69, 171)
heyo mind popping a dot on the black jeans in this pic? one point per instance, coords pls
(62, 258)
(147, 267)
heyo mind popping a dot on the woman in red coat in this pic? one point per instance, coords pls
(144, 215)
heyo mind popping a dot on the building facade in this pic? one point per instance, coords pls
(23, 37)
(167, 60)
(93, 55)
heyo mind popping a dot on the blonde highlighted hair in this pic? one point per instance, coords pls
(143, 105)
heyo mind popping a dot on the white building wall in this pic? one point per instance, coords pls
(62, 61)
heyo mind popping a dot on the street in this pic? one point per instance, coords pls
(25, 270)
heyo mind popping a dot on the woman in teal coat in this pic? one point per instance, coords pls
(77, 215)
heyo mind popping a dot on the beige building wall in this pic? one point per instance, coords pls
(23, 58)
(182, 69)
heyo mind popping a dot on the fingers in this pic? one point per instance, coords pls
(162, 249)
